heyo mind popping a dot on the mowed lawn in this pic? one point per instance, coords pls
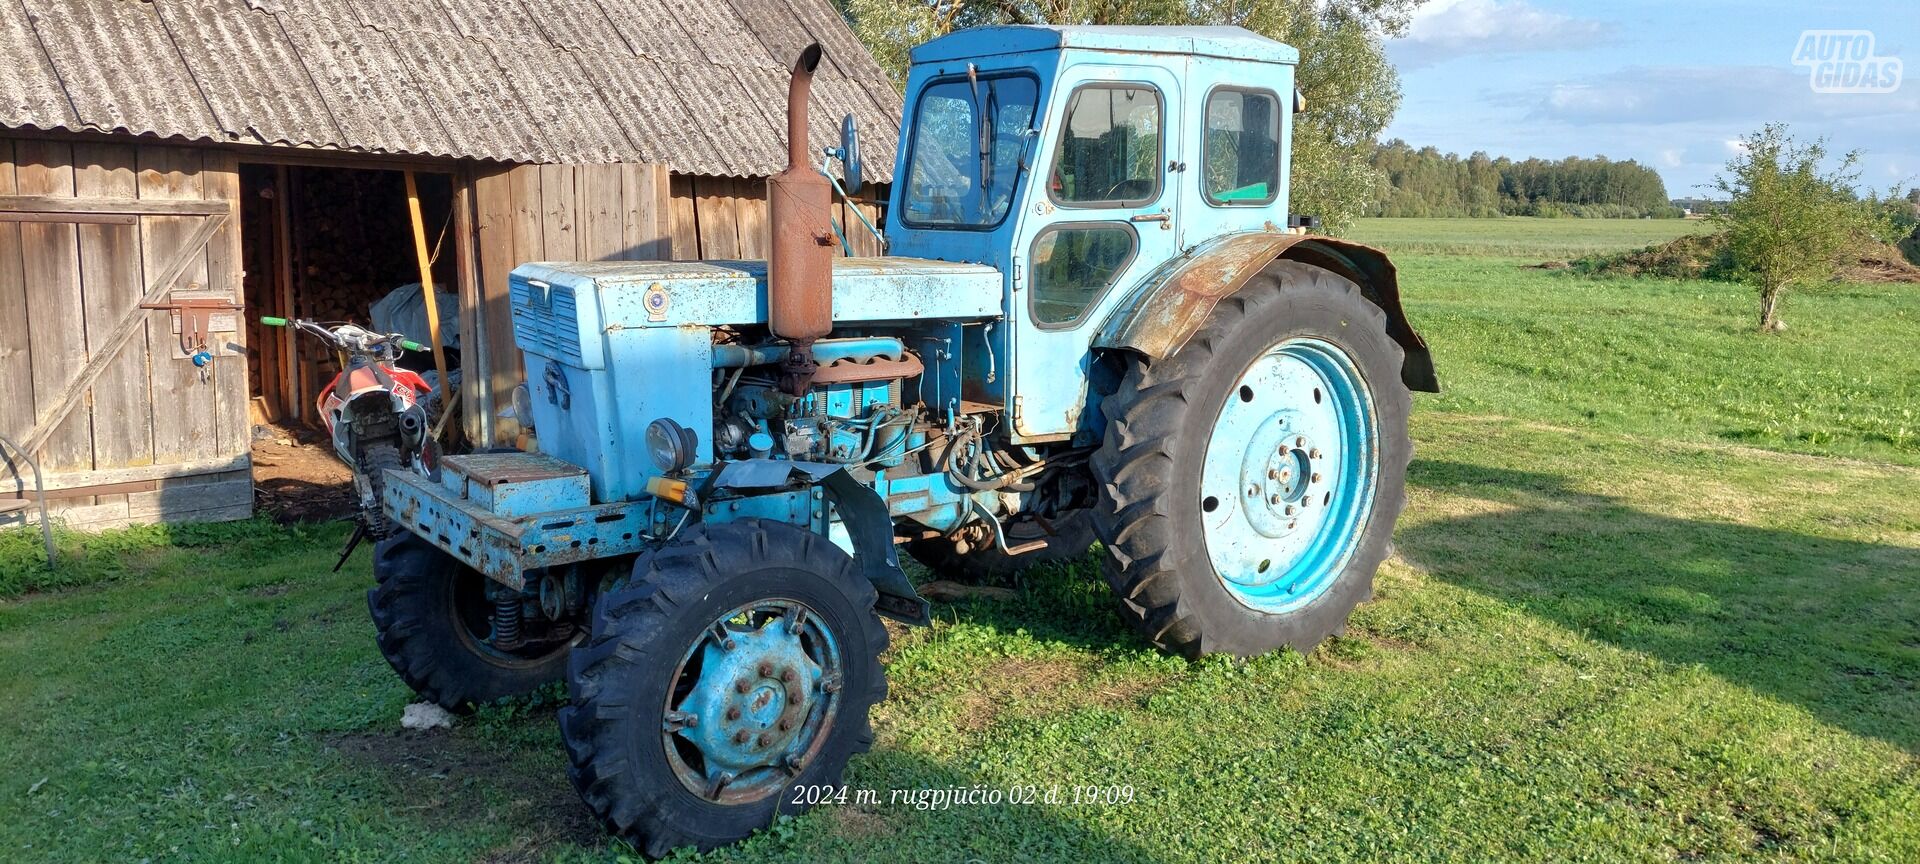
(1656, 597)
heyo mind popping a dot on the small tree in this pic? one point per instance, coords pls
(1787, 222)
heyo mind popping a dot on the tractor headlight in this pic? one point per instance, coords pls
(671, 445)
(523, 405)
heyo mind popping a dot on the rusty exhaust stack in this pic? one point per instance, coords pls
(800, 262)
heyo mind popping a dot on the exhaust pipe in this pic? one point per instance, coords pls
(800, 260)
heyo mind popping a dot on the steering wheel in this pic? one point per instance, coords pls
(1138, 186)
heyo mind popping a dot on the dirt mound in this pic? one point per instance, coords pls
(1694, 256)
(1706, 256)
(1883, 264)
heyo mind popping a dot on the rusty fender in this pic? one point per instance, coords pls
(1175, 302)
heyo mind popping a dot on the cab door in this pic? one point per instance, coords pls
(1103, 212)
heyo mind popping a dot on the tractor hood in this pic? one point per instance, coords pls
(560, 310)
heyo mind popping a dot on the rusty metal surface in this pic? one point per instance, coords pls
(506, 548)
(677, 82)
(800, 259)
(1177, 300)
(878, 369)
(1180, 297)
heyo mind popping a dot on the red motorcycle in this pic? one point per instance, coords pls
(375, 412)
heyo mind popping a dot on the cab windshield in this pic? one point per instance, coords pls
(964, 160)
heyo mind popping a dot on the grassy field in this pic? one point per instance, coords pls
(1519, 235)
(1656, 597)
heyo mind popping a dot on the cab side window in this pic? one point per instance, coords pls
(1073, 264)
(1241, 163)
(1110, 148)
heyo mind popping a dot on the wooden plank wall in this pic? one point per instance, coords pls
(550, 213)
(64, 285)
(723, 218)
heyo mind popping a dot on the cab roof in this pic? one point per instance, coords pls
(1232, 43)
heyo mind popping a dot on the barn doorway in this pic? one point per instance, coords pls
(329, 244)
(336, 245)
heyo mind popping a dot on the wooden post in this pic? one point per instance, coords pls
(289, 370)
(426, 290)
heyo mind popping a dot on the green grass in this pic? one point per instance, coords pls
(1519, 236)
(1657, 597)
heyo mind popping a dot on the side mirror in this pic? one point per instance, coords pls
(1299, 101)
(849, 155)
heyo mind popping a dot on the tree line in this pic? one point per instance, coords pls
(1427, 182)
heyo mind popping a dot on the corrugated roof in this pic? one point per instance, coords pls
(699, 85)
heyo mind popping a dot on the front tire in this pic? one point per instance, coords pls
(430, 617)
(736, 664)
(1251, 481)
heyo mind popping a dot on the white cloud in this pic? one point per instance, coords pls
(1690, 94)
(1734, 146)
(1445, 29)
(1673, 157)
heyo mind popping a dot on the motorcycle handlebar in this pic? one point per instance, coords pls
(395, 338)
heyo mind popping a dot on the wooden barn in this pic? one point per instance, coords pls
(171, 170)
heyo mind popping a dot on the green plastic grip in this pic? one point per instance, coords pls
(271, 321)
(411, 345)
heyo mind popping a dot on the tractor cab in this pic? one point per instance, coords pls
(1078, 161)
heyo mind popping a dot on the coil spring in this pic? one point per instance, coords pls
(506, 620)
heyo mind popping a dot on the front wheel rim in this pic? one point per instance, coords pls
(753, 701)
(1289, 475)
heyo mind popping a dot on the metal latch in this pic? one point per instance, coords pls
(1163, 217)
(196, 320)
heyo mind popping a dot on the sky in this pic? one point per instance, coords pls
(1672, 84)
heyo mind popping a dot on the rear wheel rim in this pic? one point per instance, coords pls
(753, 701)
(1289, 475)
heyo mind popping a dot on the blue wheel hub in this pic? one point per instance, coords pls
(1289, 475)
(752, 701)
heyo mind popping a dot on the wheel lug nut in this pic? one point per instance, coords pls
(733, 713)
(766, 669)
(785, 724)
(1273, 499)
(1290, 509)
(741, 737)
(787, 674)
(766, 738)
(740, 686)
(1314, 453)
(1316, 477)
(1301, 443)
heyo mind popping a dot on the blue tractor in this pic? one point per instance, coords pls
(1097, 322)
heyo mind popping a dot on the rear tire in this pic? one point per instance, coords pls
(375, 461)
(425, 622)
(1176, 558)
(795, 675)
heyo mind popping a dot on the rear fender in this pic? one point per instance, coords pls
(1174, 303)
